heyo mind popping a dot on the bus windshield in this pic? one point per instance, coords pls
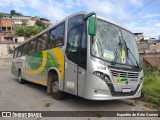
(112, 43)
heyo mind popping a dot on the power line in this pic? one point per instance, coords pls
(138, 10)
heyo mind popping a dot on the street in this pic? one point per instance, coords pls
(33, 97)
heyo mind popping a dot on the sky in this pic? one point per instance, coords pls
(146, 19)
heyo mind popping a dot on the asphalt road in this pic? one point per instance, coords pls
(33, 97)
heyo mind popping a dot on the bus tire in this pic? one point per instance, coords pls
(20, 80)
(55, 92)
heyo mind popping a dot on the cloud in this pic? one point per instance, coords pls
(71, 3)
(150, 28)
(117, 10)
(158, 25)
(13, 3)
(48, 8)
(108, 8)
(136, 3)
(58, 9)
(151, 15)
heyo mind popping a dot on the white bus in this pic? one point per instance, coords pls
(84, 55)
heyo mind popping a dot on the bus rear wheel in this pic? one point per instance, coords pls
(20, 80)
(55, 92)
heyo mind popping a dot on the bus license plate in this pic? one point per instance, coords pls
(126, 90)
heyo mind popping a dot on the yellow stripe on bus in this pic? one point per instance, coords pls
(60, 57)
(41, 82)
(41, 68)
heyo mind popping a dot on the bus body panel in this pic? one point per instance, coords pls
(81, 81)
(70, 77)
(98, 89)
(35, 67)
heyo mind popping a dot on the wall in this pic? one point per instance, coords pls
(6, 52)
(155, 47)
(5, 22)
(19, 39)
(6, 26)
(143, 47)
(149, 47)
(5, 62)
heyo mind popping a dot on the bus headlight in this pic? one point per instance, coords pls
(102, 76)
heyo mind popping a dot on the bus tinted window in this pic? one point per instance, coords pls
(20, 51)
(32, 46)
(83, 49)
(42, 40)
(56, 37)
(59, 35)
(25, 48)
(52, 38)
(75, 21)
(15, 53)
(73, 44)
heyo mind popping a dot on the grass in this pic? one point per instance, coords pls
(151, 86)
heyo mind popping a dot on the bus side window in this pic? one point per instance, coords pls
(52, 38)
(59, 35)
(25, 48)
(42, 40)
(74, 37)
(56, 36)
(75, 21)
(20, 51)
(15, 53)
(32, 46)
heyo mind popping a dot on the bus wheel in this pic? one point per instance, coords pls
(55, 92)
(20, 80)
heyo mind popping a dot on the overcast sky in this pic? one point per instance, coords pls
(146, 21)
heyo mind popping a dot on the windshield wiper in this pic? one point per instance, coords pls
(116, 52)
(131, 53)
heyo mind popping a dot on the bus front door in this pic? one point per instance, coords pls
(75, 61)
(71, 60)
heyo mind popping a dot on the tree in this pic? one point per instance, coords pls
(40, 24)
(26, 31)
(1, 15)
(13, 12)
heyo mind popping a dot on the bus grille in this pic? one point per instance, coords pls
(117, 94)
(117, 73)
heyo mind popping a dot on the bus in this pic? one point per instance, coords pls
(85, 55)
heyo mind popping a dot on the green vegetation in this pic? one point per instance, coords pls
(13, 12)
(26, 31)
(151, 86)
(1, 15)
(40, 24)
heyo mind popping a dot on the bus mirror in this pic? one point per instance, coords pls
(92, 23)
(92, 26)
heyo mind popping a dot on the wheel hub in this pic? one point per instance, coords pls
(55, 86)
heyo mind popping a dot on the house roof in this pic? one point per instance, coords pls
(153, 61)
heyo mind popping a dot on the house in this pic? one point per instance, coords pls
(43, 20)
(19, 20)
(139, 37)
(153, 61)
(6, 28)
